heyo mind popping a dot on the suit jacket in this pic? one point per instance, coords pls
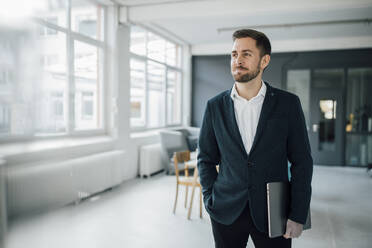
(281, 136)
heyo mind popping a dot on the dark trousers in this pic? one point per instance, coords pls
(236, 235)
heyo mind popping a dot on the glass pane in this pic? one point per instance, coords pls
(172, 54)
(298, 82)
(328, 78)
(52, 11)
(51, 102)
(137, 93)
(156, 47)
(87, 86)
(327, 125)
(138, 40)
(359, 101)
(87, 19)
(174, 97)
(156, 104)
(4, 118)
(20, 72)
(358, 149)
(359, 117)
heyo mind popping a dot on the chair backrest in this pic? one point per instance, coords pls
(180, 157)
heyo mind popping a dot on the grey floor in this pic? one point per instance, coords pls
(139, 214)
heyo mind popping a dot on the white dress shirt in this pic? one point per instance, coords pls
(247, 114)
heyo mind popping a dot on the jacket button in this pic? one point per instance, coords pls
(250, 163)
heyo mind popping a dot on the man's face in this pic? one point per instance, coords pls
(246, 61)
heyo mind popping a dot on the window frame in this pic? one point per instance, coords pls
(145, 59)
(102, 83)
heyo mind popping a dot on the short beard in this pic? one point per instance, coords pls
(248, 76)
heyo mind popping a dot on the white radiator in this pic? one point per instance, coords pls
(37, 187)
(150, 159)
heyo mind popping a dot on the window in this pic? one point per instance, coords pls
(6, 63)
(87, 105)
(87, 85)
(173, 97)
(4, 76)
(156, 85)
(137, 93)
(49, 59)
(4, 118)
(57, 104)
(87, 19)
(44, 31)
(63, 94)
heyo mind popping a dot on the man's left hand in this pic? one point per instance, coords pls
(293, 229)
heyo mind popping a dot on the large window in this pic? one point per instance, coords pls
(156, 80)
(63, 94)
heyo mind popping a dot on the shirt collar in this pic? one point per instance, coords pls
(262, 92)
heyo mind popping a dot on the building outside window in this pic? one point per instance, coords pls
(87, 105)
(156, 80)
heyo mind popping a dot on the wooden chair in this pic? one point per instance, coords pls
(196, 183)
(184, 157)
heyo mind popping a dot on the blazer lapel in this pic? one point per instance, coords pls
(231, 121)
(268, 104)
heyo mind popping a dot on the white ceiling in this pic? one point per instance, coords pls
(291, 25)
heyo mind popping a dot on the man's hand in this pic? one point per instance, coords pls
(293, 229)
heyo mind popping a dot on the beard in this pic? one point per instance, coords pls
(244, 78)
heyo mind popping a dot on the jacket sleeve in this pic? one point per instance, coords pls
(209, 155)
(299, 154)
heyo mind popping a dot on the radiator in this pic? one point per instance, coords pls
(150, 159)
(40, 186)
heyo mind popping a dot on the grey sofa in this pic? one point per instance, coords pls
(175, 140)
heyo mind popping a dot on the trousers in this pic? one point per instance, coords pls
(237, 234)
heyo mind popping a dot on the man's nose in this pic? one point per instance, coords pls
(239, 60)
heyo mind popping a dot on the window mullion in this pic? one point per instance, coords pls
(166, 97)
(146, 85)
(71, 83)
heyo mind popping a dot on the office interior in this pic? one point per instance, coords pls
(98, 96)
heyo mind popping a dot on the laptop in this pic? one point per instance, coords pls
(278, 205)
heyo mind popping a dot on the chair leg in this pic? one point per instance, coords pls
(187, 191)
(200, 203)
(175, 201)
(191, 200)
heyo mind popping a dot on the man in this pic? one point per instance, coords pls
(251, 131)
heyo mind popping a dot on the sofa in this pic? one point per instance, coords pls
(175, 140)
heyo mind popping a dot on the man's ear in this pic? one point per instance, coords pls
(265, 61)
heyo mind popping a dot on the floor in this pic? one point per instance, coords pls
(138, 214)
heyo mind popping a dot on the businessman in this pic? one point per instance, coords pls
(251, 131)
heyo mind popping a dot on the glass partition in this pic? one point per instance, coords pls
(359, 117)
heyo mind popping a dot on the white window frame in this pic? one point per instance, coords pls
(145, 59)
(72, 36)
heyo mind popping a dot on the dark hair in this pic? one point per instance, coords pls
(262, 42)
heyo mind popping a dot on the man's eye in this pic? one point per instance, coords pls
(247, 54)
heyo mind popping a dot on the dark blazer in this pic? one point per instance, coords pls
(281, 136)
